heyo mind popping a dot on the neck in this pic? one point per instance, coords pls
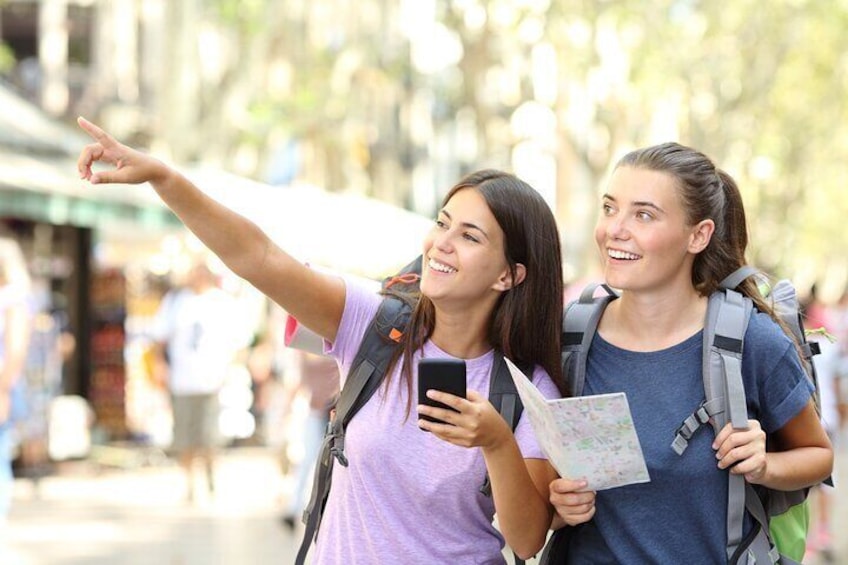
(643, 322)
(462, 334)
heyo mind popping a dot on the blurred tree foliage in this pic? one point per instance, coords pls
(758, 86)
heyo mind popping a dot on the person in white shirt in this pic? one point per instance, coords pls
(196, 339)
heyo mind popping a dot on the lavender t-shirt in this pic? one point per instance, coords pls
(407, 496)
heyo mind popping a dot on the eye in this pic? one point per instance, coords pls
(607, 209)
(471, 237)
(644, 216)
(440, 223)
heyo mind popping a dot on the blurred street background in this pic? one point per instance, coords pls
(338, 127)
(93, 515)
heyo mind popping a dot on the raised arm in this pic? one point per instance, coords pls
(315, 299)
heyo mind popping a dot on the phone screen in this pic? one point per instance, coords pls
(447, 375)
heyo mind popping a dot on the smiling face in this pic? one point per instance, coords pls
(464, 259)
(642, 232)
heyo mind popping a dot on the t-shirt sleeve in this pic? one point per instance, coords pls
(771, 358)
(524, 434)
(361, 302)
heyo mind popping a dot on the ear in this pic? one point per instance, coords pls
(506, 282)
(701, 235)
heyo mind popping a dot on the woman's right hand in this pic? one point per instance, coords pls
(573, 505)
(131, 166)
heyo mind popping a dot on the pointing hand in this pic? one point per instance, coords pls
(131, 166)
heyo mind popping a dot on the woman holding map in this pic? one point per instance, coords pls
(672, 226)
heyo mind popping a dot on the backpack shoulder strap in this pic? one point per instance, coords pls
(579, 324)
(502, 392)
(504, 397)
(367, 372)
(724, 334)
(726, 322)
(373, 357)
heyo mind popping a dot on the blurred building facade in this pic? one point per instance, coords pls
(379, 97)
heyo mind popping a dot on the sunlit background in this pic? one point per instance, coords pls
(339, 125)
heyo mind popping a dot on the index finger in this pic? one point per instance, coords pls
(94, 131)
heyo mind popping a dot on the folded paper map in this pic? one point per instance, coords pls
(588, 437)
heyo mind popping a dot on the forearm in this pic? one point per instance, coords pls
(315, 299)
(524, 514)
(235, 239)
(798, 468)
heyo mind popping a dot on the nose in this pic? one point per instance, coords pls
(443, 240)
(616, 227)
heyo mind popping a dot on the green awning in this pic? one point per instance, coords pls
(61, 209)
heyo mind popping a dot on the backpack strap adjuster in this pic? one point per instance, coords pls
(337, 449)
(701, 416)
(688, 428)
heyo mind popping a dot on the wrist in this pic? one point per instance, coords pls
(162, 175)
(501, 441)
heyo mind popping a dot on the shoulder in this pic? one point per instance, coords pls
(362, 299)
(543, 381)
(360, 285)
(768, 351)
(765, 335)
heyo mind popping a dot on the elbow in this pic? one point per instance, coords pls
(829, 464)
(526, 555)
(529, 548)
(825, 466)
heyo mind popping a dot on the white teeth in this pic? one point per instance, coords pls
(616, 254)
(442, 268)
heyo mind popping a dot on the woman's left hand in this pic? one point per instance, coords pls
(743, 451)
(475, 423)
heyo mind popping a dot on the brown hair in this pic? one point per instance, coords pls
(527, 320)
(707, 192)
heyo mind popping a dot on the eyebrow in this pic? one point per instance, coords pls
(638, 203)
(467, 225)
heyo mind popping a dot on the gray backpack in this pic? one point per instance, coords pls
(724, 401)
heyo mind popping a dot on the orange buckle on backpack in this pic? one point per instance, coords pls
(408, 278)
(395, 335)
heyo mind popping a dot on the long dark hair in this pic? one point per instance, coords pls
(527, 320)
(707, 192)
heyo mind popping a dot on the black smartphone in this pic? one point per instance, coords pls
(447, 375)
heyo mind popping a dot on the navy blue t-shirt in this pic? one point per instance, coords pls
(679, 516)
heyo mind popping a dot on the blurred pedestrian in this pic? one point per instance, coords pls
(491, 284)
(820, 322)
(196, 341)
(43, 377)
(319, 381)
(15, 329)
